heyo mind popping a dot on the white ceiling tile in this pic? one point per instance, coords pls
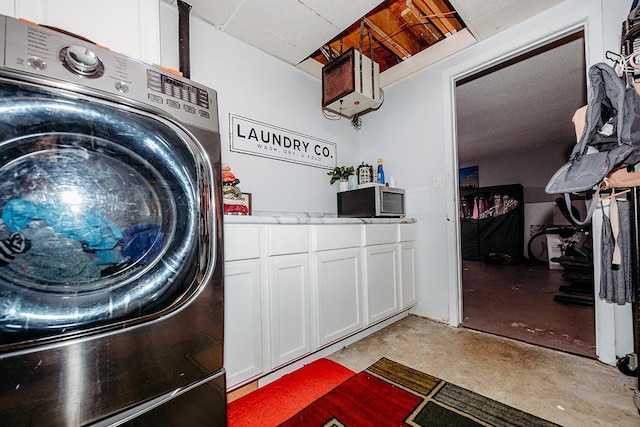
(311, 66)
(342, 13)
(215, 12)
(474, 9)
(285, 28)
(485, 18)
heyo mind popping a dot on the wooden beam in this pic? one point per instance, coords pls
(391, 21)
(439, 14)
(388, 39)
(420, 25)
(450, 17)
(416, 14)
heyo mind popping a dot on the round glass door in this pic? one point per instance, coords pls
(79, 213)
(100, 214)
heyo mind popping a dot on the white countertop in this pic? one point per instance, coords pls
(304, 218)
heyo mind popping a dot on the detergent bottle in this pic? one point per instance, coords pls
(380, 172)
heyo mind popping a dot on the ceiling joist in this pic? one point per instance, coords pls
(439, 14)
(388, 39)
(418, 22)
(400, 29)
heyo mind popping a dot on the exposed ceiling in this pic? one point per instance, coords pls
(395, 31)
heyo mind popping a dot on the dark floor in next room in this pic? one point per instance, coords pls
(516, 301)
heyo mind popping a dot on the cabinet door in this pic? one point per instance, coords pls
(382, 282)
(241, 242)
(242, 321)
(289, 308)
(407, 273)
(338, 294)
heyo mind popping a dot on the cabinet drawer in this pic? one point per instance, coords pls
(241, 242)
(406, 232)
(328, 237)
(379, 234)
(288, 239)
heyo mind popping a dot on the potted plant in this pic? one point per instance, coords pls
(341, 174)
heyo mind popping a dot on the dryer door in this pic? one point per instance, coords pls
(101, 214)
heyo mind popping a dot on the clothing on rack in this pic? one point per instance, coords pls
(486, 205)
(616, 279)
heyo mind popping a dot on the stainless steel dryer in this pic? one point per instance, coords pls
(111, 292)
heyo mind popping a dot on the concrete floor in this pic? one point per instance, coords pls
(567, 389)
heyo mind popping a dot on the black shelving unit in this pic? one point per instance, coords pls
(497, 233)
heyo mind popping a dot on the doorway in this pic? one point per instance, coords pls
(514, 128)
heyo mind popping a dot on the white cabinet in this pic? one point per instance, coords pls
(295, 289)
(407, 273)
(128, 26)
(288, 292)
(288, 239)
(242, 321)
(242, 242)
(337, 277)
(407, 237)
(338, 294)
(289, 307)
(382, 271)
(379, 234)
(327, 237)
(382, 290)
(243, 315)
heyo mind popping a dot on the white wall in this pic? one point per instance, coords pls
(253, 84)
(410, 139)
(134, 32)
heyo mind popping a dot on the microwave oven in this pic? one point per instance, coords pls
(371, 201)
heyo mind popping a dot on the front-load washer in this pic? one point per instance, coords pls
(111, 283)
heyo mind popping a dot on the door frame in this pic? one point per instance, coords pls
(605, 314)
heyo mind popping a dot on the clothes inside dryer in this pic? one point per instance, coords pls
(98, 210)
(75, 210)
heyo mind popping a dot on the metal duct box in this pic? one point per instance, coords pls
(351, 84)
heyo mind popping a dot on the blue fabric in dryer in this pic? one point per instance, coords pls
(87, 227)
(142, 242)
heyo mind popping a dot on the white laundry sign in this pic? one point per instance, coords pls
(260, 139)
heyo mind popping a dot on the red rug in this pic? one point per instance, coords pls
(347, 405)
(276, 402)
(389, 394)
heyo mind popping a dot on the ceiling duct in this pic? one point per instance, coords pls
(351, 83)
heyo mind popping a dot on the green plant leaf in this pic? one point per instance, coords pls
(340, 172)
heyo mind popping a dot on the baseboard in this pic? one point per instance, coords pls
(237, 393)
(325, 351)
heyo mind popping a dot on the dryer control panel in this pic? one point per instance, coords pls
(81, 66)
